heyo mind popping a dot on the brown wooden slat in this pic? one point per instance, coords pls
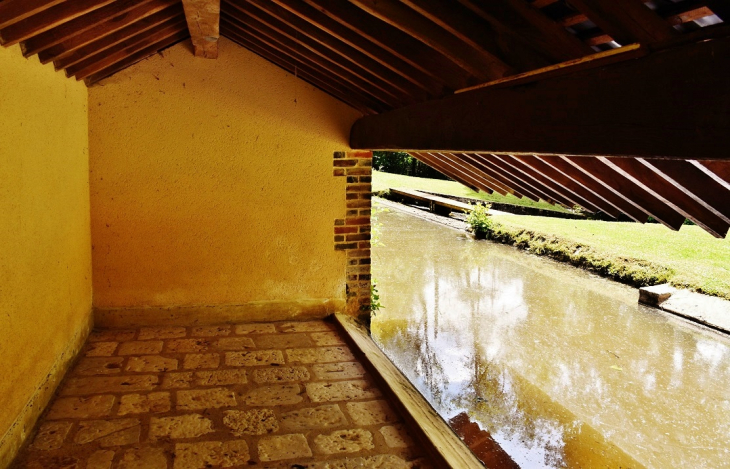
(548, 193)
(627, 21)
(496, 173)
(565, 182)
(451, 172)
(144, 9)
(259, 49)
(141, 55)
(527, 184)
(468, 168)
(718, 169)
(670, 194)
(388, 38)
(122, 51)
(105, 42)
(291, 46)
(542, 3)
(563, 191)
(579, 114)
(48, 19)
(688, 15)
(488, 173)
(258, 21)
(696, 182)
(93, 63)
(203, 17)
(365, 100)
(12, 11)
(596, 187)
(628, 190)
(385, 71)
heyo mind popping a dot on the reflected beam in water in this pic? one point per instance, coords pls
(561, 367)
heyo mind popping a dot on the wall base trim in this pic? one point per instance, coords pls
(22, 427)
(254, 311)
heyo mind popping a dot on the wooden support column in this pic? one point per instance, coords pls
(203, 17)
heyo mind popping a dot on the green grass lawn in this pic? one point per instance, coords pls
(384, 181)
(690, 257)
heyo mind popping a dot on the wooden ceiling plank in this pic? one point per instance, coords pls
(629, 118)
(523, 20)
(258, 21)
(626, 21)
(695, 183)
(203, 17)
(12, 11)
(367, 99)
(629, 191)
(717, 170)
(450, 171)
(569, 184)
(468, 168)
(102, 59)
(478, 63)
(519, 178)
(721, 8)
(48, 19)
(546, 193)
(295, 48)
(117, 37)
(388, 38)
(671, 194)
(546, 181)
(396, 78)
(542, 3)
(137, 57)
(524, 190)
(488, 174)
(596, 188)
(319, 82)
(144, 9)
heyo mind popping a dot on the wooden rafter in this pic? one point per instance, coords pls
(12, 11)
(488, 173)
(473, 171)
(203, 17)
(505, 179)
(451, 172)
(548, 194)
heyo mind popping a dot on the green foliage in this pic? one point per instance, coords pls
(398, 162)
(375, 304)
(480, 221)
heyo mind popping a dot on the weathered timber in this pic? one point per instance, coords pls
(12, 11)
(469, 169)
(505, 179)
(454, 173)
(449, 204)
(203, 17)
(647, 107)
(488, 173)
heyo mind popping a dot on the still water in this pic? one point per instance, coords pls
(562, 368)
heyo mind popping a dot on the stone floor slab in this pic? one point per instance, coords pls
(81, 407)
(276, 448)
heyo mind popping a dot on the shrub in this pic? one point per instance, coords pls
(480, 222)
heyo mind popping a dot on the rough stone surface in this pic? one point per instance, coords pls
(147, 333)
(144, 457)
(281, 374)
(102, 349)
(197, 361)
(243, 329)
(344, 441)
(153, 403)
(51, 435)
(99, 366)
(147, 347)
(210, 331)
(324, 416)
(287, 394)
(196, 399)
(188, 345)
(320, 355)
(371, 412)
(256, 358)
(151, 364)
(306, 326)
(396, 436)
(93, 430)
(81, 407)
(116, 384)
(251, 422)
(235, 343)
(183, 426)
(211, 453)
(112, 335)
(341, 391)
(177, 380)
(276, 448)
(220, 377)
(333, 371)
(324, 339)
(101, 459)
(283, 341)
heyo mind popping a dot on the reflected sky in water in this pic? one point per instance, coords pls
(563, 368)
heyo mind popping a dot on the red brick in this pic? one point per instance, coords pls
(339, 238)
(365, 229)
(364, 277)
(345, 163)
(358, 237)
(352, 196)
(360, 154)
(339, 222)
(363, 162)
(338, 172)
(345, 246)
(357, 221)
(359, 171)
(358, 203)
(339, 154)
(363, 245)
(367, 179)
(364, 261)
(345, 229)
(359, 253)
(365, 212)
(358, 188)
(352, 213)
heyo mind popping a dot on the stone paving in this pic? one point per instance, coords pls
(274, 395)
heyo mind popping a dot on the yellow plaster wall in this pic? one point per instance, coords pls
(45, 255)
(211, 183)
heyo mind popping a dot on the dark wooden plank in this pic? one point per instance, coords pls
(280, 61)
(12, 11)
(400, 79)
(105, 42)
(674, 103)
(626, 21)
(364, 100)
(324, 63)
(469, 168)
(449, 171)
(524, 190)
(516, 177)
(547, 193)
(144, 9)
(489, 174)
(93, 63)
(140, 55)
(203, 17)
(569, 184)
(596, 187)
(629, 191)
(719, 170)
(48, 19)
(386, 37)
(258, 21)
(674, 195)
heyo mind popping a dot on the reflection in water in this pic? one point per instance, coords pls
(563, 369)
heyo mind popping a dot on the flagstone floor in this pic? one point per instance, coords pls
(269, 395)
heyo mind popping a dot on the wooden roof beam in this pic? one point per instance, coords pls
(496, 173)
(629, 118)
(203, 18)
(517, 178)
(468, 167)
(489, 174)
(12, 11)
(448, 170)
(548, 194)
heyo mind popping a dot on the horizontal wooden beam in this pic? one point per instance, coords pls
(672, 103)
(203, 17)
(12, 11)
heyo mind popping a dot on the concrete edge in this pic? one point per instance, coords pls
(254, 311)
(23, 425)
(709, 311)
